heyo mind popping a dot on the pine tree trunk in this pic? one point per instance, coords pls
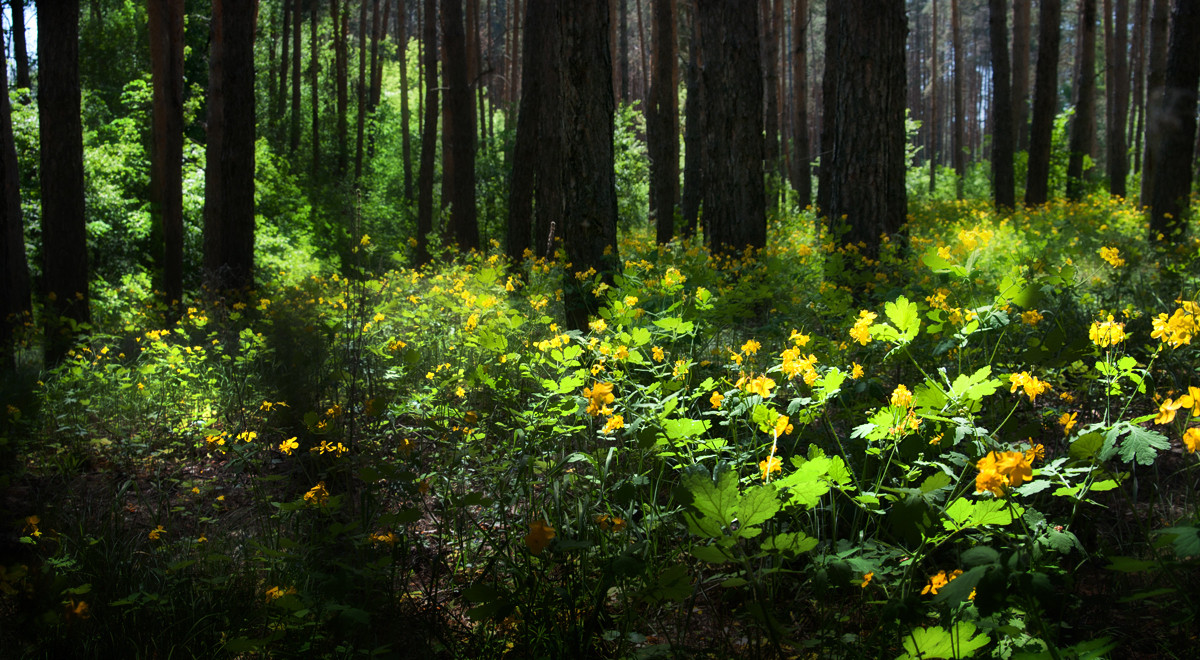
(662, 123)
(165, 25)
(1169, 214)
(315, 100)
(340, 35)
(1155, 81)
(405, 136)
(428, 136)
(1118, 158)
(280, 102)
(1003, 175)
(459, 134)
(363, 84)
(64, 235)
(693, 135)
(294, 136)
(15, 301)
(934, 132)
(801, 173)
(1083, 126)
(958, 144)
(1020, 72)
(1045, 104)
(770, 104)
(734, 199)
(20, 50)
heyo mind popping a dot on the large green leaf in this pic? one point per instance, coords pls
(717, 500)
(936, 642)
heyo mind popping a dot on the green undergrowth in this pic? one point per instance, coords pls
(979, 444)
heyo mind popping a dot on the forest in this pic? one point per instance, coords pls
(599, 329)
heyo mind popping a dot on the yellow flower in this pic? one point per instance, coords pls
(77, 610)
(156, 533)
(782, 426)
(1191, 439)
(630, 301)
(1178, 330)
(1113, 256)
(657, 354)
(317, 494)
(856, 371)
(999, 471)
(598, 326)
(1106, 333)
(598, 398)
(382, 537)
(799, 339)
(944, 252)
(288, 445)
(614, 423)
(771, 465)
(681, 368)
(867, 579)
(901, 397)
(31, 526)
(940, 581)
(1067, 421)
(716, 399)
(622, 353)
(861, 332)
(365, 241)
(1032, 386)
(610, 523)
(539, 536)
(1031, 317)
(751, 347)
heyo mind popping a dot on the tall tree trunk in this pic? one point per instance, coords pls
(166, 61)
(428, 135)
(1083, 126)
(363, 83)
(64, 235)
(1137, 75)
(934, 130)
(1155, 81)
(538, 61)
(589, 182)
(662, 123)
(376, 29)
(280, 103)
(459, 134)
(863, 144)
(734, 199)
(624, 58)
(1169, 213)
(801, 174)
(958, 144)
(770, 103)
(693, 135)
(643, 79)
(297, 19)
(1020, 72)
(614, 38)
(20, 50)
(15, 305)
(1045, 104)
(229, 175)
(1118, 157)
(315, 102)
(340, 35)
(1003, 175)
(405, 137)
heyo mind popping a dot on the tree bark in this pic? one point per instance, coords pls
(64, 234)
(1020, 72)
(405, 136)
(863, 144)
(340, 14)
(1045, 104)
(428, 136)
(734, 196)
(294, 135)
(165, 18)
(459, 134)
(15, 305)
(801, 173)
(280, 102)
(20, 50)
(1118, 158)
(693, 135)
(1176, 133)
(662, 123)
(770, 68)
(624, 57)
(315, 100)
(1083, 126)
(229, 177)
(958, 144)
(363, 83)
(1003, 175)
(934, 132)
(1155, 87)
(589, 182)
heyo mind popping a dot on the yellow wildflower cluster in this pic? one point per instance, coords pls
(275, 593)
(326, 448)
(1031, 317)
(1067, 421)
(598, 399)
(796, 364)
(1178, 329)
(614, 423)
(1113, 256)
(751, 347)
(288, 445)
(1106, 333)
(609, 523)
(318, 494)
(1032, 386)
(861, 332)
(716, 399)
(1191, 439)
(939, 581)
(1168, 408)
(539, 536)
(901, 397)
(770, 466)
(557, 341)
(1000, 471)
(760, 385)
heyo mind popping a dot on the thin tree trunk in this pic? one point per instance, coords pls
(957, 137)
(1045, 104)
(693, 135)
(1020, 71)
(315, 101)
(644, 78)
(428, 136)
(405, 136)
(1118, 157)
(624, 58)
(15, 297)
(363, 84)
(1155, 79)
(770, 104)
(165, 25)
(20, 50)
(934, 133)
(340, 35)
(662, 123)
(1003, 176)
(64, 235)
(1137, 75)
(297, 19)
(376, 32)
(285, 62)
(1083, 126)
(801, 174)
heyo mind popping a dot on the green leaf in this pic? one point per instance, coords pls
(790, 543)
(1185, 539)
(934, 262)
(640, 336)
(678, 429)
(757, 505)
(905, 315)
(675, 325)
(1143, 445)
(935, 481)
(713, 554)
(1129, 564)
(1086, 446)
(937, 642)
(714, 500)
